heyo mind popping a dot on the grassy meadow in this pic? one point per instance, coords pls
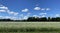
(29, 27)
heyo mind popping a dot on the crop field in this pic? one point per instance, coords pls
(29, 27)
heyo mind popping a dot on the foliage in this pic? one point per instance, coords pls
(35, 19)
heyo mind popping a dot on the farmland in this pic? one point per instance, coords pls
(29, 27)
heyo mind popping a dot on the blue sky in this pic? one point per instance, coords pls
(22, 9)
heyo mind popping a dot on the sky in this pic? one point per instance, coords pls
(22, 9)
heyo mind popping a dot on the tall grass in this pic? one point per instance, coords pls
(29, 27)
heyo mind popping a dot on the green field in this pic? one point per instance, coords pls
(29, 27)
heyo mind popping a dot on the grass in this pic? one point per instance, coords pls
(30, 27)
(29, 32)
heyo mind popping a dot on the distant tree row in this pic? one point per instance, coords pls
(43, 19)
(35, 19)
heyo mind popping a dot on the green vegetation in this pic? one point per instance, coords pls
(29, 27)
(29, 32)
(29, 19)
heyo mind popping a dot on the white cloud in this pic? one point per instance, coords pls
(0, 16)
(2, 10)
(43, 9)
(4, 17)
(21, 15)
(25, 17)
(34, 15)
(1, 5)
(37, 8)
(8, 17)
(14, 13)
(39, 16)
(14, 18)
(5, 9)
(57, 15)
(42, 13)
(43, 16)
(47, 9)
(29, 13)
(25, 10)
(37, 4)
(10, 12)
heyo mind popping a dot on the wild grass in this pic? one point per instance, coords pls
(29, 27)
(29, 30)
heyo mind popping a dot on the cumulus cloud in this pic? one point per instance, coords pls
(25, 10)
(47, 9)
(8, 17)
(43, 9)
(25, 16)
(29, 13)
(57, 15)
(14, 13)
(21, 15)
(2, 10)
(14, 18)
(34, 15)
(43, 16)
(39, 16)
(0, 16)
(42, 13)
(5, 9)
(4, 17)
(37, 8)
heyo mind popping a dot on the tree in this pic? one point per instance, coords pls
(49, 19)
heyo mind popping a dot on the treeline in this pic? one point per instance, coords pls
(43, 19)
(34, 19)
